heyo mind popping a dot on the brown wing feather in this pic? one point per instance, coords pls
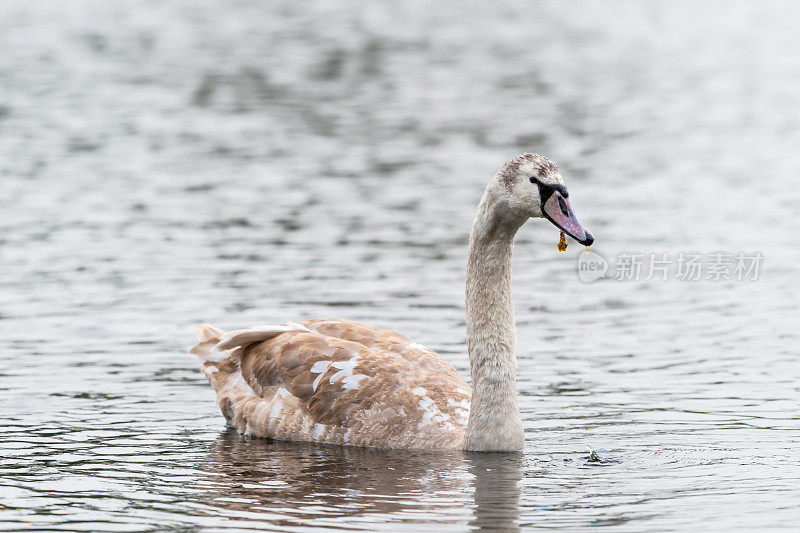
(289, 360)
(382, 340)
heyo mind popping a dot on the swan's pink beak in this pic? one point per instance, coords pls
(557, 210)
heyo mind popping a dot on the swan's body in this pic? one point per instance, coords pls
(340, 382)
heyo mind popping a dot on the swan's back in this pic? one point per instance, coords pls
(336, 382)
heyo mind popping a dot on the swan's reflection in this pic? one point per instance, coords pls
(496, 479)
(301, 485)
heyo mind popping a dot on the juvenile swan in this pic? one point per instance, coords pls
(340, 382)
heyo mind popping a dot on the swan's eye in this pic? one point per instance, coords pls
(533, 179)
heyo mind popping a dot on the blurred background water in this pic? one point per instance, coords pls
(240, 162)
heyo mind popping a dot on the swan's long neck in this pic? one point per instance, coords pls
(494, 421)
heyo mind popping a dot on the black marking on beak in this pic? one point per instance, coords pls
(563, 205)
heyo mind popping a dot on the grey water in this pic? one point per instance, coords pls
(241, 163)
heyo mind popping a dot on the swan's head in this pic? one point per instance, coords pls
(532, 187)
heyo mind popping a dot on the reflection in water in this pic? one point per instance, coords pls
(497, 490)
(294, 484)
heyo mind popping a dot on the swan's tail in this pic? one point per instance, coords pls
(217, 365)
(220, 352)
(221, 370)
(206, 348)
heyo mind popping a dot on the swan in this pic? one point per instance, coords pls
(340, 382)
